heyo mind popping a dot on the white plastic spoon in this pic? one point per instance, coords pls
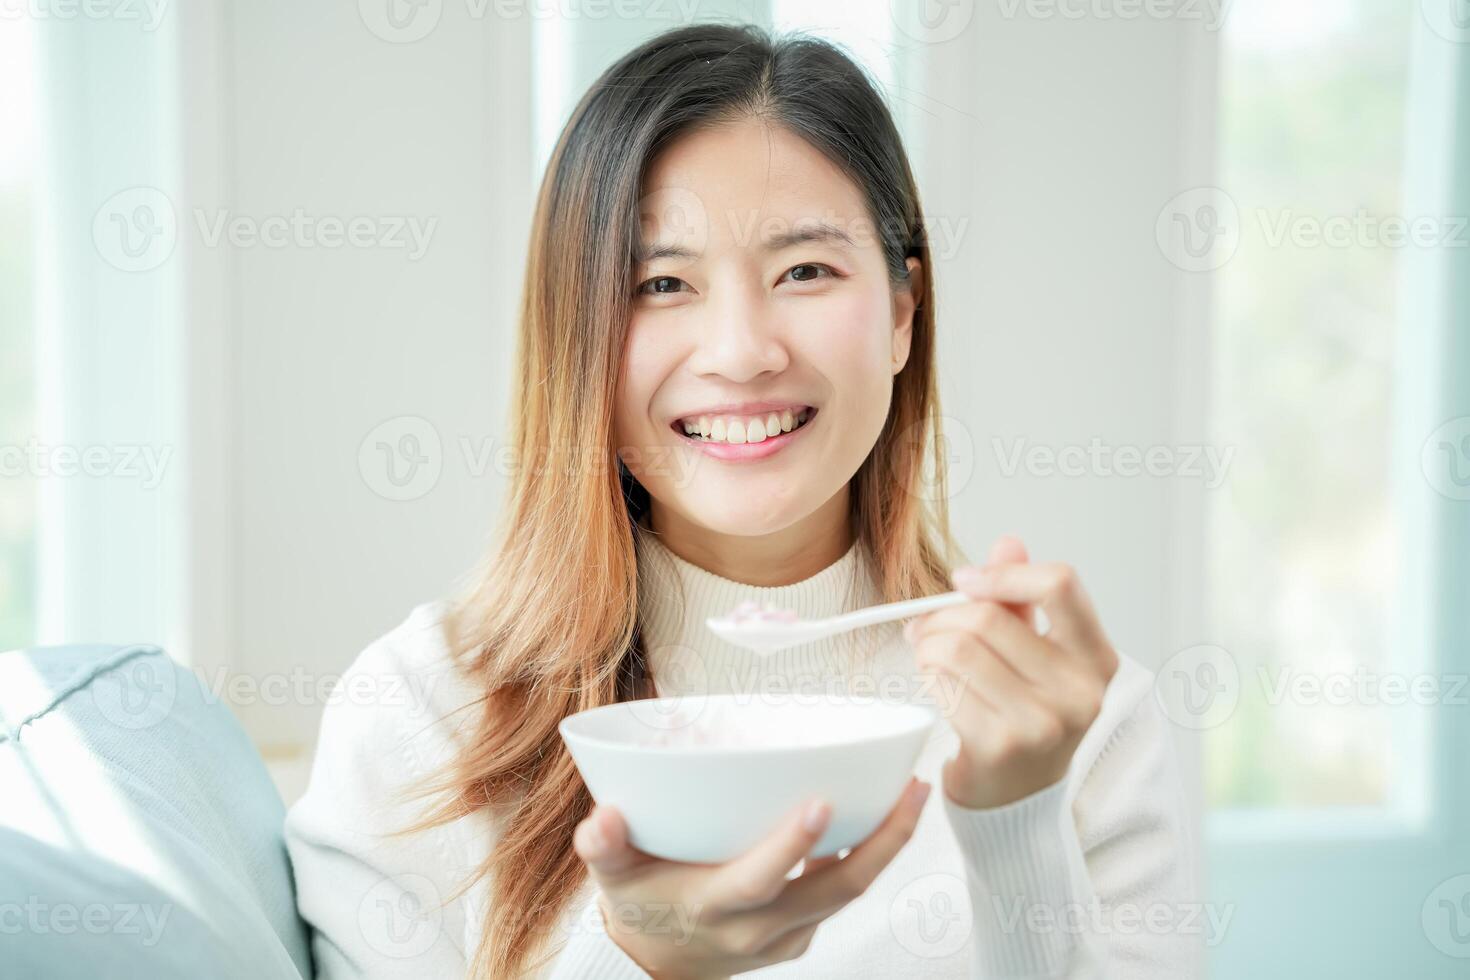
(766, 636)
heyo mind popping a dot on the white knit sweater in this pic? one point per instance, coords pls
(1087, 878)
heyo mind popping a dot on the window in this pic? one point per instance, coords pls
(1303, 535)
(18, 497)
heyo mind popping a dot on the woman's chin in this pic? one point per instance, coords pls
(740, 512)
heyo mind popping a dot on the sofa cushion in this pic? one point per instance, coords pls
(140, 834)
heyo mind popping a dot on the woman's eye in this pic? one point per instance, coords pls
(808, 272)
(660, 284)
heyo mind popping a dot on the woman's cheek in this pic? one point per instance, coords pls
(850, 341)
(644, 364)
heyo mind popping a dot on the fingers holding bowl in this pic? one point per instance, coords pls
(601, 841)
(756, 877)
(818, 893)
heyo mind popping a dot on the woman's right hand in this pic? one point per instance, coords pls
(683, 921)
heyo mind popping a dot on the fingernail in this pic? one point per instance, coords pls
(919, 793)
(596, 840)
(814, 817)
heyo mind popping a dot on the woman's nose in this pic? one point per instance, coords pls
(739, 342)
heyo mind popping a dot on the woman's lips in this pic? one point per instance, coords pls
(741, 452)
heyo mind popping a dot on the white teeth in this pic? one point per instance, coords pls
(737, 430)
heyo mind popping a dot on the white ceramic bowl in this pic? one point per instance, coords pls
(690, 793)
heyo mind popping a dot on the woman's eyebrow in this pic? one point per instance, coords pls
(647, 253)
(820, 231)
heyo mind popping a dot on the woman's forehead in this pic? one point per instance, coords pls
(743, 183)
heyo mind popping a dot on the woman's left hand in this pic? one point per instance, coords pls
(1027, 699)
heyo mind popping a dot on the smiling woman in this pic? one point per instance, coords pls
(728, 290)
(771, 296)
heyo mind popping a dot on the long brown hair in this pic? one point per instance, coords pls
(549, 625)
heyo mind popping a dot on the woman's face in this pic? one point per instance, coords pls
(761, 299)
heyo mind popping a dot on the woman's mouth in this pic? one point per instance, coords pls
(736, 437)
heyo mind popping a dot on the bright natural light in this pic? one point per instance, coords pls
(421, 555)
(1303, 537)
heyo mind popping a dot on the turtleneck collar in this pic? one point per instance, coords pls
(676, 596)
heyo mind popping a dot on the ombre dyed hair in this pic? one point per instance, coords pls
(549, 624)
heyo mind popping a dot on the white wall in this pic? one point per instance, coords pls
(321, 345)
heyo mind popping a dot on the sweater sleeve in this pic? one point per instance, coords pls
(380, 905)
(1091, 876)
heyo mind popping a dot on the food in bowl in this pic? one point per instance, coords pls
(704, 778)
(726, 723)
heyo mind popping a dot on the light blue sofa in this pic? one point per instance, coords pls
(140, 834)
